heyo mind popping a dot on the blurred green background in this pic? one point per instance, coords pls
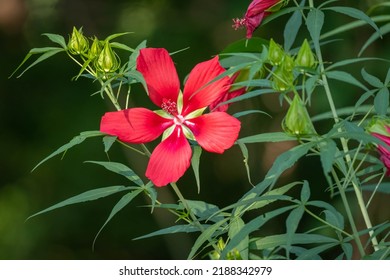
(44, 109)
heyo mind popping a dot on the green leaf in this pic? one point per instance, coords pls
(332, 215)
(267, 137)
(120, 169)
(248, 95)
(371, 79)
(245, 154)
(292, 223)
(235, 225)
(354, 13)
(350, 61)
(314, 23)
(292, 28)
(248, 112)
(195, 160)
(270, 242)
(204, 211)
(56, 38)
(133, 57)
(345, 77)
(387, 79)
(116, 35)
(381, 101)
(75, 141)
(108, 141)
(209, 234)
(84, 197)
(287, 160)
(328, 151)
(382, 31)
(382, 188)
(173, 229)
(311, 253)
(305, 192)
(251, 226)
(125, 200)
(121, 46)
(46, 53)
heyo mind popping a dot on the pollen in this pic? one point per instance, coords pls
(169, 106)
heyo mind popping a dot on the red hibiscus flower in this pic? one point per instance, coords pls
(254, 15)
(180, 118)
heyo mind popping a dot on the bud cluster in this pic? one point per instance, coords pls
(99, 54)
(283, 75)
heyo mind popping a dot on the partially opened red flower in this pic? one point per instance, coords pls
(180, 118)
(257, 10)
(381, 130)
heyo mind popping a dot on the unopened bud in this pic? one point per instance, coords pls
(78, 44)
(107, 61)
(305, 57)
(96, 49)
(297, 121)
(275, 53)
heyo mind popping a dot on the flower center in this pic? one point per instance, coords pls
(169, 106)
(239, 23)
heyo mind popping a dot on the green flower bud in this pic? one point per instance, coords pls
(108, 60)
(287, 64)
(78, 44)
(297, 121)
(280, 81)
(275, 53)
(305, 57)
(96, 49)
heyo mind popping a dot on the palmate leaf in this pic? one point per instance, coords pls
(75, 141)
(84, 197)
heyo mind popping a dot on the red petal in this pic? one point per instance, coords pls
(196, 94)
(170, 159)
(259, 6)
(215, 132)
(136, 125)
(160, 74)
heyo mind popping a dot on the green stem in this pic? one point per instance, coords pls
(349, 215)
(193, 217)
(358, 193)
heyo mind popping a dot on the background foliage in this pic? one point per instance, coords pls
(39, 112)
